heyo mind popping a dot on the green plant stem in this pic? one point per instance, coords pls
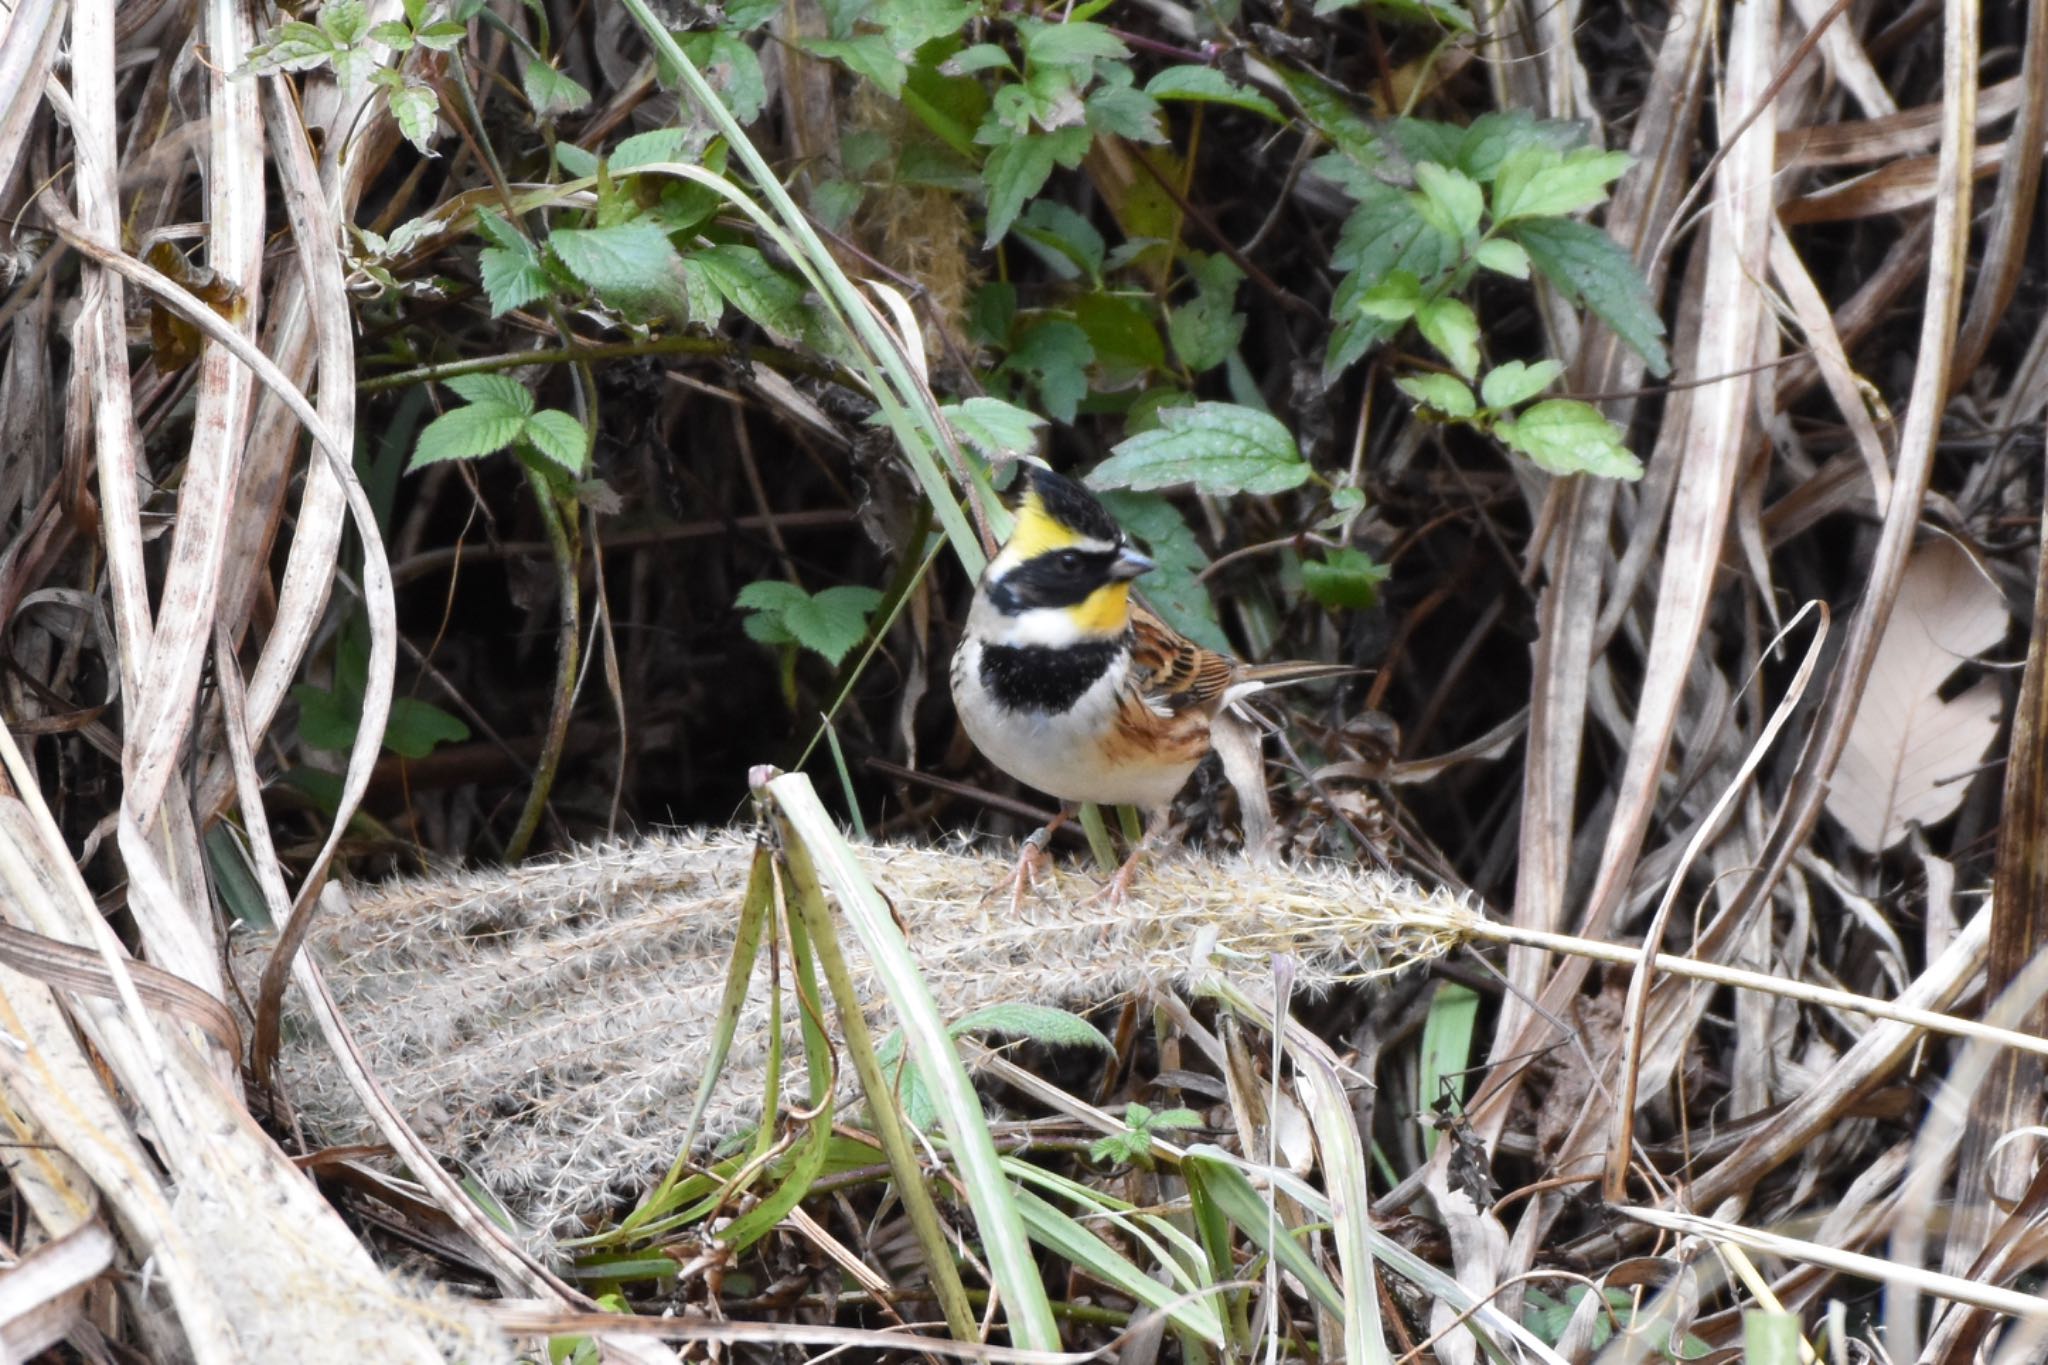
(1097, 830)
(568, 650)
(888, 1120)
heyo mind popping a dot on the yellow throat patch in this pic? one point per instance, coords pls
(1106, 611)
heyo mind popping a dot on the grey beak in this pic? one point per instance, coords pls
(1129, 564)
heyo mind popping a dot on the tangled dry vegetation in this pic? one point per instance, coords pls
(435, 433)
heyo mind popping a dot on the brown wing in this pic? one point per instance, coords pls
(1173, 672)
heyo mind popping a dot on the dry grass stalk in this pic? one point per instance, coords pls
(549, 1024)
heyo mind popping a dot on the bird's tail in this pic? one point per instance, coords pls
(1258, 677)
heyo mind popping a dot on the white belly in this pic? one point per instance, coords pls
(1060, 754)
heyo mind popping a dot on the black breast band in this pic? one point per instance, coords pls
(1041, 678)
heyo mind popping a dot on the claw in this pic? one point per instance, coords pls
(1032, 859)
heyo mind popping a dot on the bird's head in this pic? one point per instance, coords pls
(1064, 576)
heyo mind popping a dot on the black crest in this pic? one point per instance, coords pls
(1071, 504)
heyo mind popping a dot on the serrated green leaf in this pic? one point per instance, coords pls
(552, 93)
(1122, 111)
(416, 109)
(1514, 383)
(466, 433)
(293, 46)
(1205, 330)
(1451, 327)
(1537, 182)
(1051, 224)
(742, 275)
(1056, 353)
(646, 149)
(703, 304)
(560, 437)
(575, 161)
(832, 622)
(994, 428)
(1503, 256)
(1040, 1023)
(868, 54)
(732, 67)
(394, 34)
(911, 24)
(766, 628)
(416, 728)
(511, 280)
(629, 259)
(500, 392)
(1019, 169)
(1174, 588)
(1566, 436)
(1492, 138)
(1073, 44)
(1439, 392)
(1207, 85)
(1385, 233)
(771, 595)
(345, 21)
(1457, 198)
(1344, 580)
(1394, 299)
(1588, 267)
(1217, 447)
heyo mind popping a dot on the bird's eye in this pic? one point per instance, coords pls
(1070, 560)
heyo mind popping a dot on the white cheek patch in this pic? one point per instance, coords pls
(1052, 627)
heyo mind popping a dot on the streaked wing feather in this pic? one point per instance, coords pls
(1174, 672)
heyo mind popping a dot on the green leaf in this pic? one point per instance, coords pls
(1394, 299)
(345, 21)
(627, 258)
(1205, 330)
(1537, 182)
(742, 275)
(550, 92)
(416, 109)
(1588, 267)
(832, 622)
(1451, 326)
(646, 149)
(1074, 44)
(1492, 138)
(1566, 436)
(1173, 588)
(1122, 111)
(1458, 199)
(911, 24)
(512, 279)
(733, 68)
(466, 433)
(325, 720)
(560, 437)
(994, 428)
(1217, 447)
(1207, 85)
(501, 392)
(501, 232)
(1386, 233)
(416, 728)
(1345, 579)
(1506, 386)
(1127, 344)
(1019, 169)
(395, 34)
(1055, 352)
(445, 36)
(979, 57)
(1440, 393)
(1039, 1023)
(1503, 256)
(870, 55)
(293, 46)
(1052, 224)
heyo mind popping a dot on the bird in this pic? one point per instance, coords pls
(1070, 685)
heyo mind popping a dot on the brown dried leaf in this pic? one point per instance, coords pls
(1906, 745)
